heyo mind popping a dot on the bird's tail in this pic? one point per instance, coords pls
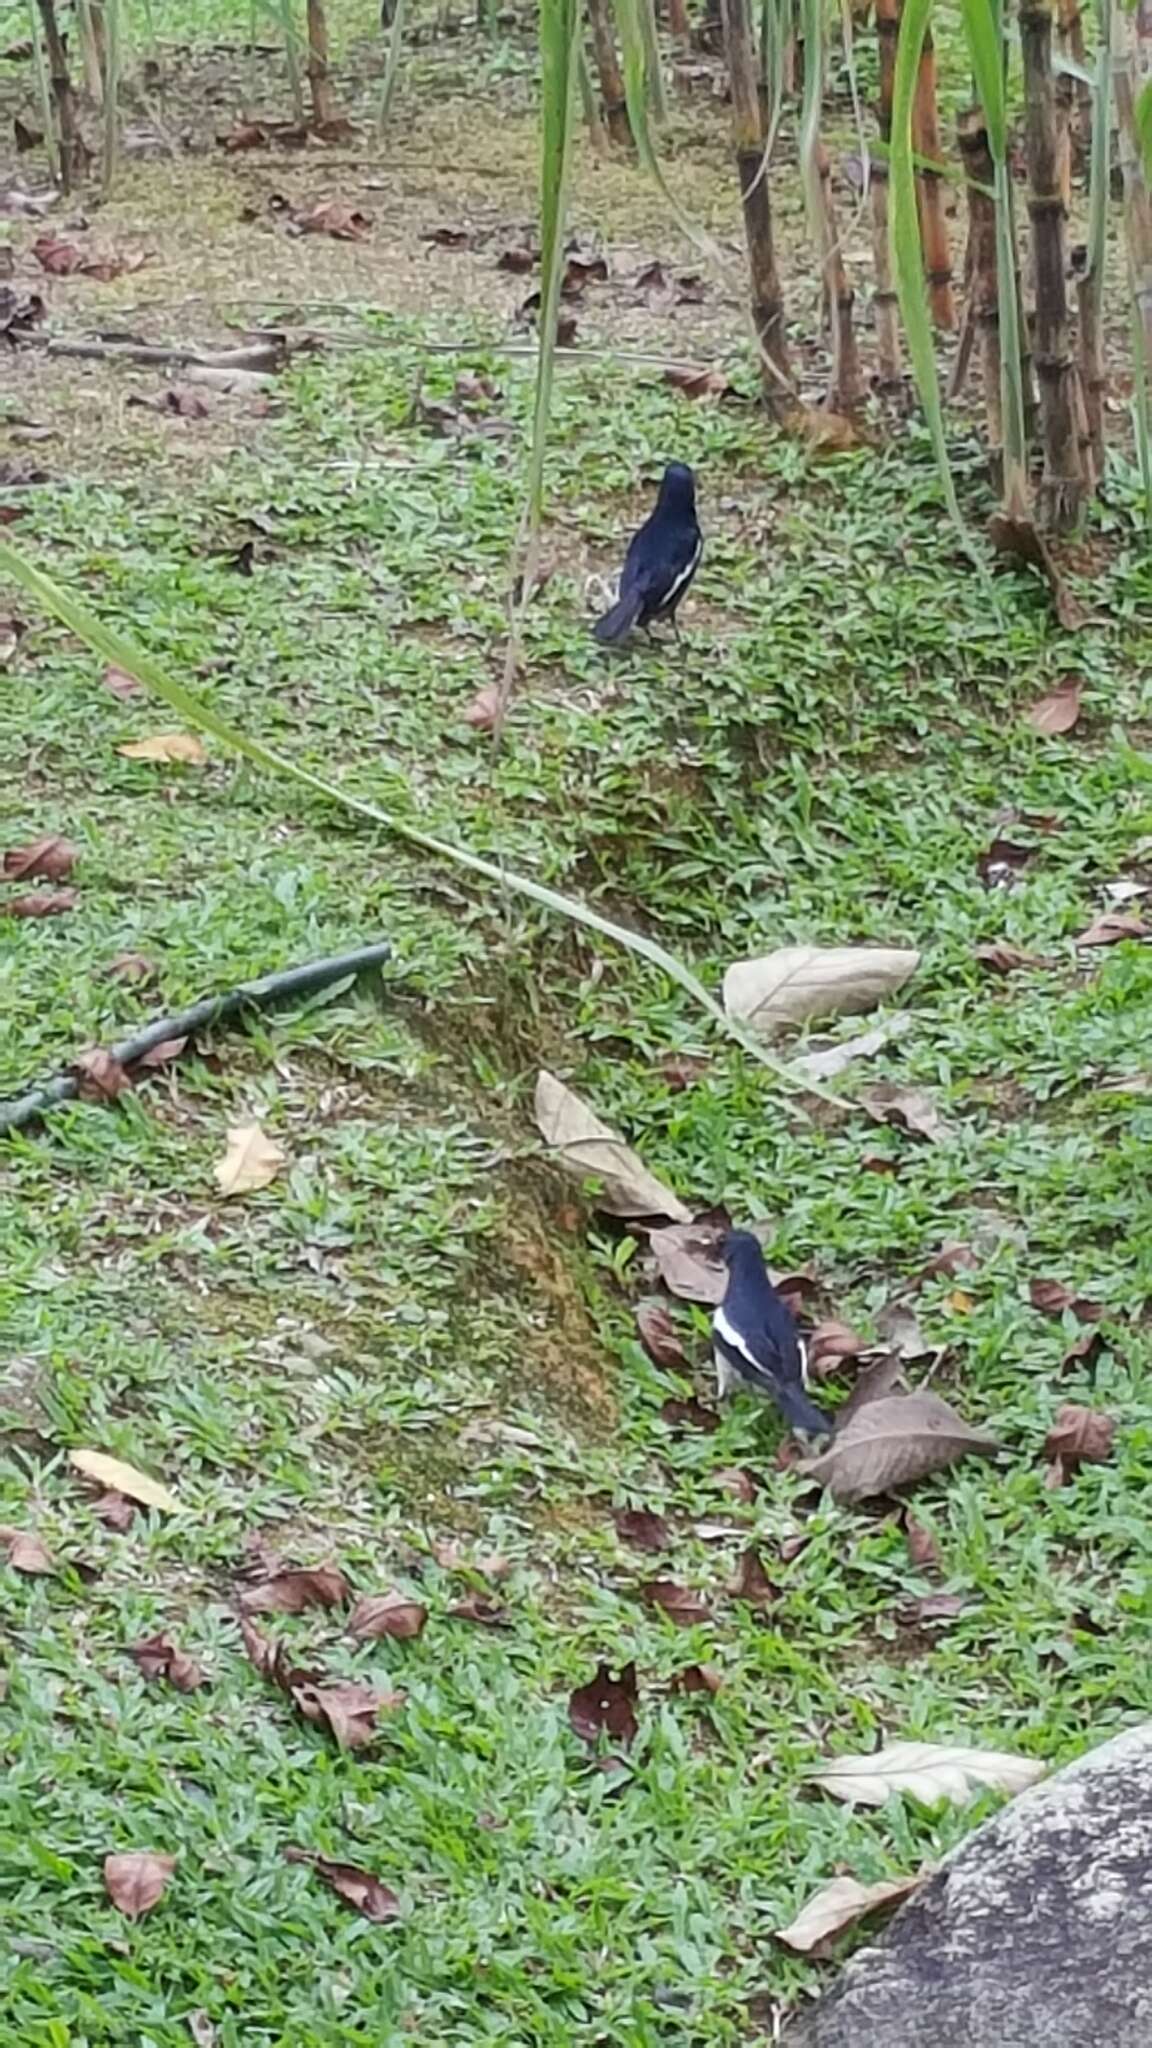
(799, 1412)
(620, 620)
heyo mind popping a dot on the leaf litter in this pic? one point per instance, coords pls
(605, 1706)
(357, 1888)
(840, 1904)
(346, 1709)
(933, 1773)
(894, 1441)
(137, 1880)
(590, 1149)
(159, 1657)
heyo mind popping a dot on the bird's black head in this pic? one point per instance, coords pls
(739, 1245)
(678, 488)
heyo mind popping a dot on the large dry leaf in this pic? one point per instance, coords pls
(586, 1147)
(100, 1077)
(657, 1333)
(40, 903)
(911, 1109)
(113, 1473)
(387, 1614)
(49, 860)
(251, 1161)
(893, 1441)
(688, 1258)
(824, 1066)
(606, 1705)
(643, 1528)
(929, 1771)
(679, 1603)
(837, 1906)
(165, 746)
(1079, 1436)
(294, 1592)
(160, 1657)
(26, 1553)
(799, 982)
(346, 1709)
(1059, 711)
(1112, 927)
(137, 1881)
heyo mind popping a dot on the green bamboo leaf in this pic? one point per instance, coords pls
(907, 253)
(122, 653)
(985, 35)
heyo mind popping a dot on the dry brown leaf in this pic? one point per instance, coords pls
(1002, 957)
(799, 982)
(41, 903)
(586, 1147)
(829, 1343)
(709, 384)
(688, 1258)
(131, 967)
(26, 1553)
(642, 1528)
(358, 1888)
(1079, 1436)
(1113, 926)
(115, 1510)
(101, 1078)
(697, 1678)
(689, 1414)
(51, 859)
(752, 1583)
(737, 1481)
(334, 217)
(838, 1905)
(137, 1881)
(679, 1603)
(162, 1055)
(909, 1108)
(387, 1614)
(923, 1548)
(482, 711)
(294, 1592)
(605, 1706)
(894, 1441)
(123, 1478)
(1059, 711)
(165, 746)
(931, 1607)
(159, 1657)
(929, 1771)
(657, 1333)
(251, 1161)
(347, 1710)
(477, 1608)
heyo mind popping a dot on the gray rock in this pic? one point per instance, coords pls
(1035, 1933)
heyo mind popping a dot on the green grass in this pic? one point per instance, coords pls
(322, 1364)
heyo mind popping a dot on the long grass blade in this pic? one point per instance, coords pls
(391, 67)
(122, 653)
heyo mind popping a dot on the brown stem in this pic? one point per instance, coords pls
(73, 150)
(929, 196)
(886, 310)
(844, 382)
(751, 170)
(1062, 485)
(679, 25)
(1128, 74)
(608, 71)
(319, 75)
(1073, 95)
(984, 280)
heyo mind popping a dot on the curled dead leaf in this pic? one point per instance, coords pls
(690, 1414)
(387, 1614)
(697, 1678)
(799, 982)
(477, 1608)
(679, 1603)
(295, 1591)
(657, 1333)
(159, 1657)
(482, 711)
(841, 1904)
(830, 1343)
(1079, 1436)
(26, 1554)
(1114, 926)
(688, 1257)
(929, 1771)
(642, 1528)
(123, 1478)
(1001, 957)
(585, 1146)
(752, 1584)
(909, 1108)
(251, 1161)
(1059, 710)
(698, 383)
(115, 1510)
(606, 1705)
(120, 683)
(101, 1078)
(51, 859)
(737, 1481)
(334, 217)
(131, 967)
(137, 1881)
(41, 903)
(163, 1054)
(357, 1888)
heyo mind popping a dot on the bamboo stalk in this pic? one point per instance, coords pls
(397, 20)
(929, 192)
(751, 171)
(319, 73)
(1126, 76)
(884, 301)
(44, 94)
(73, 151)
(1074, 95)
(90, 26)
(112, 56)
(1061, 493)
(984, 280)
(653, 69)
(844, 384)
(597, 133)
(612, 100)
(282, 9)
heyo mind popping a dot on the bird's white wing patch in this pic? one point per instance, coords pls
(724, 1330)
(684, 577)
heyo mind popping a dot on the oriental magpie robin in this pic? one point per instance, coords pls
(661, 560)
(755, 1342)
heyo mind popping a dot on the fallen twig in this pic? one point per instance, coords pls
(262, 357)
(250, 995)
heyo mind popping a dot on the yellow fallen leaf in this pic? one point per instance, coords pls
(164, 746)
(961, 1304)
(113, 1474)
(251, 1160)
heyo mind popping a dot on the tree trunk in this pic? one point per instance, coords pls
(984, 280)
(751, 170)
(73, 150)
(608, 71)
(319, 75)
(929, 196)
(844, 382)
(887, 316)
(679, 25)
(1061, 491)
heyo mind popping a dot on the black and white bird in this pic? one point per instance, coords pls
(755, 1342)
(662, 559)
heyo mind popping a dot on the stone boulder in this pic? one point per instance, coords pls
(1035, 1933)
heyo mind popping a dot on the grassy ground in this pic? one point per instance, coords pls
(414, 1339)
